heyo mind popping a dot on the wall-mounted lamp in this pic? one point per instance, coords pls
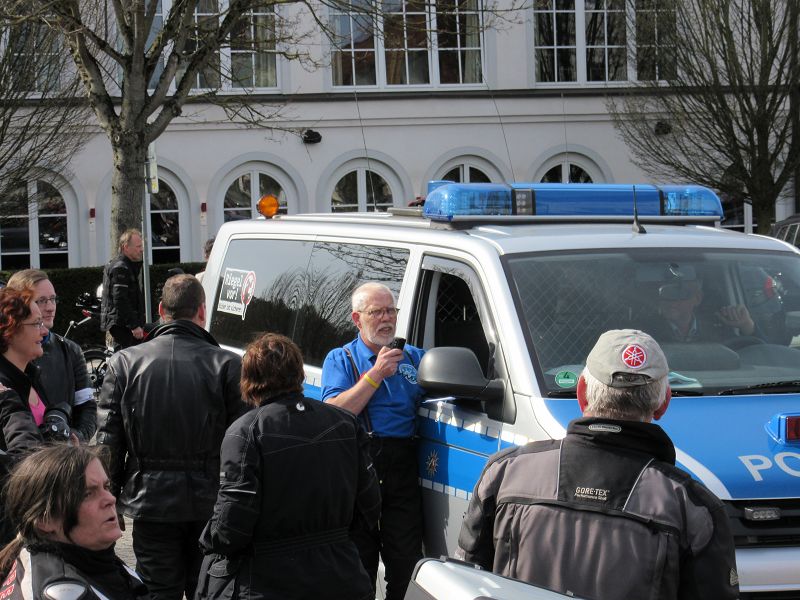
(311, 137)
(203, 207)
(91, 212)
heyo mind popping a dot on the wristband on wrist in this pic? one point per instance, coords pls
(370, 381)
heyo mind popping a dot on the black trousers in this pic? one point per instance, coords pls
(168, 557)
(122, 336)
(398, 537)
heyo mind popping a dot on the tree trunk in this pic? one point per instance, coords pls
(127, 186)
(764, 213)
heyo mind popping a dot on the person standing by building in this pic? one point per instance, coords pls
(379, 384)
(62, 368)
(295, 476)
(122, 309)
(605, 513)
(164, 407)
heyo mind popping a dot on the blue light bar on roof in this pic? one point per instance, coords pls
(569, 199)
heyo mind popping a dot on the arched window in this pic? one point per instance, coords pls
(361, 190)
(33, 231)
(567, 172)
(242, 196)
(164, 225)
(466, 174)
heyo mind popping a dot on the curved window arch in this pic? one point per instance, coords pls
(469, 168)
(33, 231)
(242, 195)
(567, 172)
(569, 167)
(361, 190)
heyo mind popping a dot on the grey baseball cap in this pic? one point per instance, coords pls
(626, 358)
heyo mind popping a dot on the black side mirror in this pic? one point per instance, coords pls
(455, 371)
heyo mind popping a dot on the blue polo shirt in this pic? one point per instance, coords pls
(393, 407)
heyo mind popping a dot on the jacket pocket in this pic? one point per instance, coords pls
(219, 576)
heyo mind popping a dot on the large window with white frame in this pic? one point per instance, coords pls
(242, 195)
(602, 41)
(248, 61)
(361, 190)
(409, 43)
(33, 228)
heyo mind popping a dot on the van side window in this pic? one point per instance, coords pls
(334, 271)
(298, 288)
(448, 315)
(260, 289)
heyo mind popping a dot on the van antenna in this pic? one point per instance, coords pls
(637, 227)
(369, 182)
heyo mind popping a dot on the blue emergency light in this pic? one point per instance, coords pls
(449, 200)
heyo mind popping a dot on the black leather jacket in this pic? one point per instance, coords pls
(42, 574)
(122, 302)
(20, 434)
(295, 474)
(65, 380)
(163, 410)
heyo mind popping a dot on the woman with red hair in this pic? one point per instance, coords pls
(22, 401)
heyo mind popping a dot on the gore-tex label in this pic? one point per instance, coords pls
(590, 493)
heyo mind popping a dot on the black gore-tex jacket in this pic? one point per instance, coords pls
(164, 407)
(602, 514)
(122, 302)
(295, 474)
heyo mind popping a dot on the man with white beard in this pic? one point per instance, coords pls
(376, 379)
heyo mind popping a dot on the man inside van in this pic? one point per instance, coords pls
(378, 382)
(604, 513)
(122, 312)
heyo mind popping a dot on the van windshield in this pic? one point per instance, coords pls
(726, 319)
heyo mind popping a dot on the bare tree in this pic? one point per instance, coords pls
(716, 101)
(42, 114)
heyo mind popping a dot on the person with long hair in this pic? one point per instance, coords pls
(22, 398)
(66, 522)
(296, 474)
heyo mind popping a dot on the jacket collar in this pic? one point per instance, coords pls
(18, 380)
(182, 327)
(646, 438)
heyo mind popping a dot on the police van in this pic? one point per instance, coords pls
(507, 287)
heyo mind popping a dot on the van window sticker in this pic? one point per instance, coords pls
(236, 292)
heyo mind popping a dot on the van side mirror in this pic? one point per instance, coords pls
(455, 371)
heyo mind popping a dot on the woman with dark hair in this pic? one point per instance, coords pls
(22, 399)
(66, 522)
(295, 474)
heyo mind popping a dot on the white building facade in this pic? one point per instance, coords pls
(441, 94)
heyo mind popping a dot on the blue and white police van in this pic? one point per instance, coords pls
(507, 287)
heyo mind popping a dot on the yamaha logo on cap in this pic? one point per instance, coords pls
(634, 356)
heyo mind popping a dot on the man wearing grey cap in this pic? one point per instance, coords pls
(604, 513)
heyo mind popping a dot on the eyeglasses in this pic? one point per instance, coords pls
(44, 301)
(379, 313)
(38, 324)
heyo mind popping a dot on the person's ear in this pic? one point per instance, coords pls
(659, 412)
(48, 527)
(356, 316)
(582, 394)
(201, 313)
(161, 312)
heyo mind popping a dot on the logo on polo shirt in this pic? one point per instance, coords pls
(409, 372)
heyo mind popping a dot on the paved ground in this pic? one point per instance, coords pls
(125, 548)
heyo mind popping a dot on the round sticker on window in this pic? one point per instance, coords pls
(566, 379)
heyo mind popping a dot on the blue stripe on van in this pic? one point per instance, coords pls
(458, 437)
(449, 466)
